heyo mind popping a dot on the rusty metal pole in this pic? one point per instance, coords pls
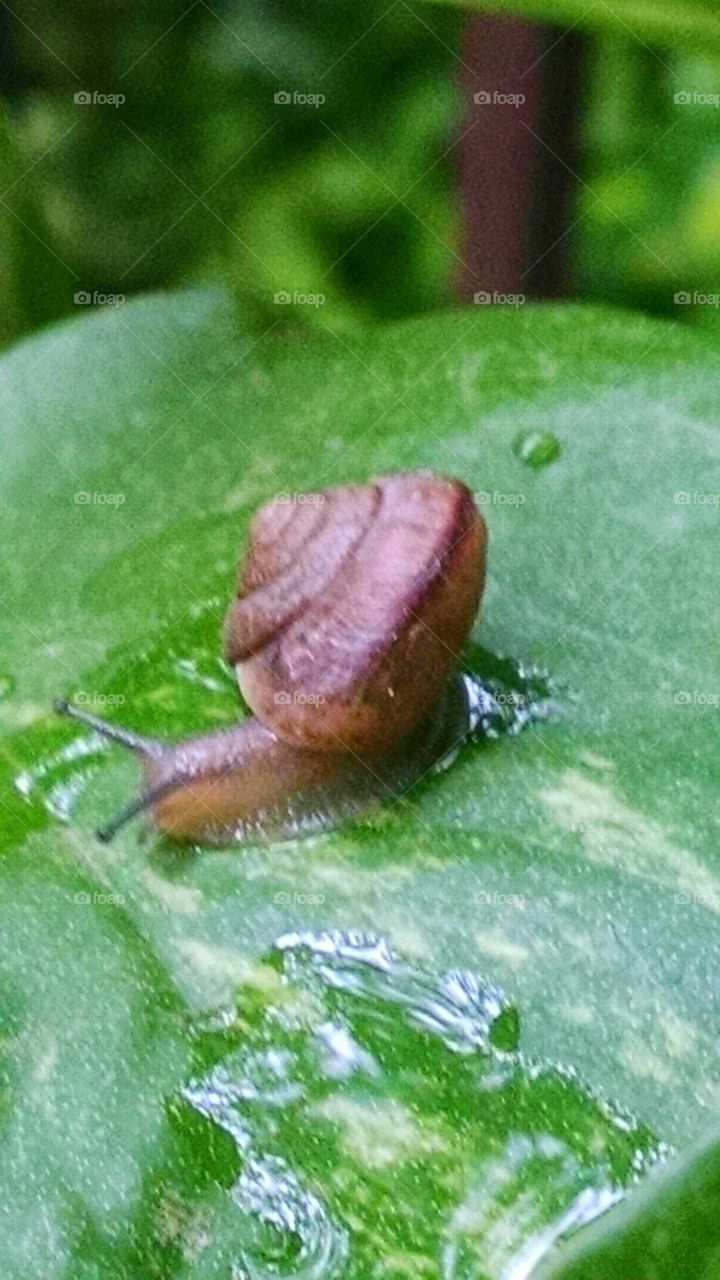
(518, 156)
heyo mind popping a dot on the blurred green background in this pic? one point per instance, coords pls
(202, 174)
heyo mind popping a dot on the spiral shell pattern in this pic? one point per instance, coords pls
(352, 607)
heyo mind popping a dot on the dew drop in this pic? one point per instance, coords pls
(537, 448)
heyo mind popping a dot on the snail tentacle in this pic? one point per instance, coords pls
(118, 733)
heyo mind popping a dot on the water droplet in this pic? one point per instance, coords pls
(504, 696)
(537, 448)
(60, 778)
(383, 1111)
(291, 1231)
(584, 1209)
(468, 1013)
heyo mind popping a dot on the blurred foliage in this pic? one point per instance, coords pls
(649, 215)
(678, 21)
(201, 171)
(202, 174)
(11, 311)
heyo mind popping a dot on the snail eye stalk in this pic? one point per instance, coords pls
(139, 804)
(116, 732)
(150, 748)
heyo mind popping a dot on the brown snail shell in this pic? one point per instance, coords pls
(351, 610)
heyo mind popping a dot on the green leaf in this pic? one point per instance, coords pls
(660, 21)
(575, 865)
(668, 1228)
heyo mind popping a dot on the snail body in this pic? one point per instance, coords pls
(345, 632)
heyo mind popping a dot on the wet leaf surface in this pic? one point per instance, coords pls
(575, 865)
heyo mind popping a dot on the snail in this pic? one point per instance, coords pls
(351, 609)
